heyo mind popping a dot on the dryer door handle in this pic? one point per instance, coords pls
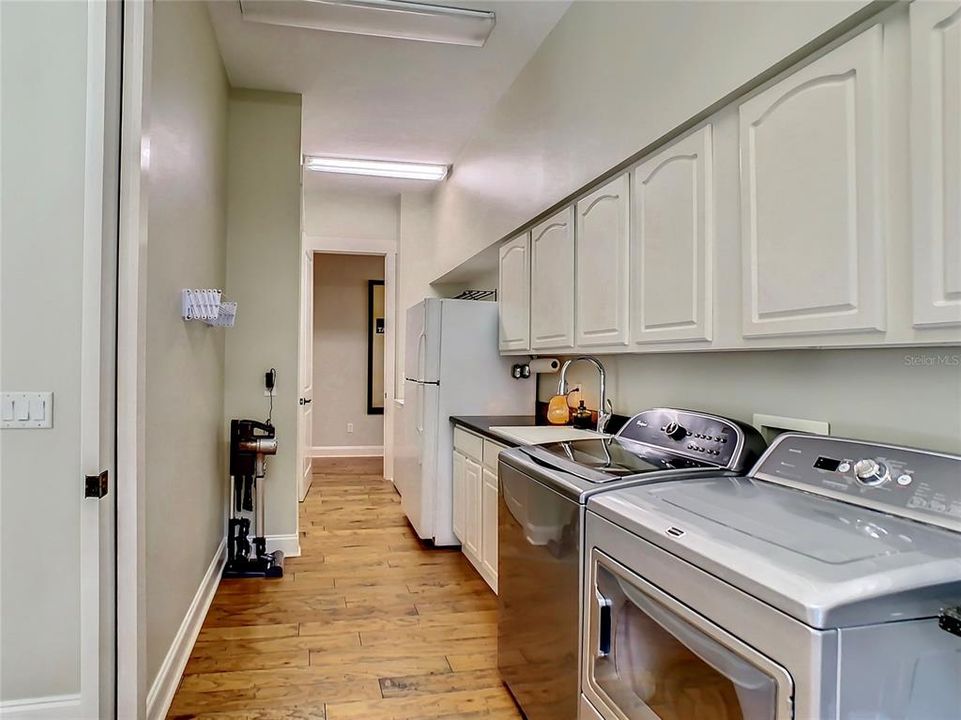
(603, 625)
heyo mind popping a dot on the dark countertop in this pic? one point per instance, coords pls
(482, 424)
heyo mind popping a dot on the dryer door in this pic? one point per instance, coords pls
(652, 658)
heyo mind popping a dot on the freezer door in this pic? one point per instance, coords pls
(415, 341)
(423, 341)
(416, 463)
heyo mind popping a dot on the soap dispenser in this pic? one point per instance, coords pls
(582, 417)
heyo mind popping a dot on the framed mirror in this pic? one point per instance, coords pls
(375, 347)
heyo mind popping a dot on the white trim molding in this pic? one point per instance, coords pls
(348, 451)
(349, 246)
(54, 707)
(164, 686)
(289, 544)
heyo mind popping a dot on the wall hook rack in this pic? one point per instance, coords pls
(208, 306)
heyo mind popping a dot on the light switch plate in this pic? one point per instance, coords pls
(26, 410)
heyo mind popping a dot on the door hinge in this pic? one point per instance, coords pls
(95, 486)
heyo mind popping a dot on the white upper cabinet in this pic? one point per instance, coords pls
(514, 294)
(552, 282)
(811, 167)
(602, 246)
(671, 243)
(936, 151)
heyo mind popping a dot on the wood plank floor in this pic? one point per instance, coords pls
(366, 624)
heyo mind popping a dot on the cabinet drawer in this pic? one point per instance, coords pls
(491, 451)
(468, 443)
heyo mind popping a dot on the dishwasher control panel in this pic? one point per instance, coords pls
(918, 484)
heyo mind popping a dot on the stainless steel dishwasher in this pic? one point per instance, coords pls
(543, 490)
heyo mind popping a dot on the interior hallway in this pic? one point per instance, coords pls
(366, 624)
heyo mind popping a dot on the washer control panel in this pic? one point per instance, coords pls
(918, 484)
(713, 439)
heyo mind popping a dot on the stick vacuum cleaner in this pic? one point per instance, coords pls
(247, 557)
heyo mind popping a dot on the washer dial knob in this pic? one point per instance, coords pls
(675, 431)
(870, 472)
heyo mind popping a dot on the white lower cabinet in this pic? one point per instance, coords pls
(472, 529)
(458, 495)
(475, 494)
(488, 506)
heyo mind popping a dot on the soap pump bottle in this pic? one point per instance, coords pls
(582, 417)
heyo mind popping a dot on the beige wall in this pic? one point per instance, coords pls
(610, 78)
(263, 276)
(340, 350)
(185, 430)
(351, 215)
(43, 53)
(416, 267)
(884, 395)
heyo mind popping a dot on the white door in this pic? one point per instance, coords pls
(489, 526)
(811, 166)
(306, 379)
(60, 168)
(514, 294)
(602, 240)
(936, 157)
(459, 497)
(552, 282)
(472, 522)
(671, 243)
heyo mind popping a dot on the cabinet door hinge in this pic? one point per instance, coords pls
(95, 486)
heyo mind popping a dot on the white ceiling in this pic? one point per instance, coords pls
(381, 98)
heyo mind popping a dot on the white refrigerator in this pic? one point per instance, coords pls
(452, 366)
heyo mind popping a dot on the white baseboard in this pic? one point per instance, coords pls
(53, 707)
(164, 686)
(290, 544)
(348, 451)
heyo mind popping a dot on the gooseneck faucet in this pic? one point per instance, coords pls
(607, 408)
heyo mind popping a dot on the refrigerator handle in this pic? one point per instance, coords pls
(421, 346)
(420, 409)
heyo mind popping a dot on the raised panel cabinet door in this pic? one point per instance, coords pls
(472, 505)
(489, 524)
(458, 496)
(514, 294)
(936, 158)
(552, 282)
(602, 239)
(811, 164)
(672, 243)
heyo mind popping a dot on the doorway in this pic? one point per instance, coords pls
(347, 356)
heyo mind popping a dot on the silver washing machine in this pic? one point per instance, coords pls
(824, 584)
(543, 490)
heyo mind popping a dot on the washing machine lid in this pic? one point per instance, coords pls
(824, 562)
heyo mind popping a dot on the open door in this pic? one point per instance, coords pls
(305, 420)
(61, 127)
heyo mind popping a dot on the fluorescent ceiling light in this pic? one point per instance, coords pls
(376, 168)
(381, 18)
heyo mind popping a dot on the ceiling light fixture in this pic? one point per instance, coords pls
(376, 168)
(382, 18)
